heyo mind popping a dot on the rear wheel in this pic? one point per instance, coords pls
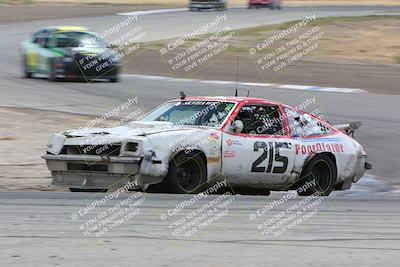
(318, 177)
(187, 173)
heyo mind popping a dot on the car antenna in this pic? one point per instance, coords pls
(248, 93)
(182, 95)
(237, 75)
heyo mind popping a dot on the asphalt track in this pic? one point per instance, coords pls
(36, 229)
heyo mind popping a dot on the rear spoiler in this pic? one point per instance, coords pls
(349, 128)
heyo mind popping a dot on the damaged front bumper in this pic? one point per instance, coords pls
(92, 171)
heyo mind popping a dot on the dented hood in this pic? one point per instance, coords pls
(117, 134)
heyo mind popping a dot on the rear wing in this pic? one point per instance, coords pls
(349, 128)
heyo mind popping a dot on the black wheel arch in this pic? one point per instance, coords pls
(191, 150)
(329, 159)
(313, 155)
(187, 156)
(309, 158)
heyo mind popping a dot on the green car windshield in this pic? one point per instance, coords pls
(78, 39)
(196, 113)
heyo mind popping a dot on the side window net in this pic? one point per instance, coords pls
(296, 129)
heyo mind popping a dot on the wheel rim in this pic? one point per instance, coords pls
(25, 66)
(322, 174)
(188, 175)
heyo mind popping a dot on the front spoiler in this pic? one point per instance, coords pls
(91, 171)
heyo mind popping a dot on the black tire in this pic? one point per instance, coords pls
(52, 76)
(27, 74)
(95, 190)
(323, 170)
(251, 191)
(272, 7)
(187, 173)
(114, 80)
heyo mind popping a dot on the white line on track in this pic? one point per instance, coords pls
(159, 11)
(156, 11)
(279, 86)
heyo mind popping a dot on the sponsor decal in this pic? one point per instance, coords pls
(308, 149)
(213, 137)
(229, 154)
(213, 159)
(230, 142)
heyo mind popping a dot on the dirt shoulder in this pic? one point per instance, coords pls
(23, 138)
(355, 52)
(21, 13)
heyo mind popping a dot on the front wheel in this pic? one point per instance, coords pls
(52, 72)
(86, 190)
(318, 177)
(187, 173)
(114, 80)
(27, 73)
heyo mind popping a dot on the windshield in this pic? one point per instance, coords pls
(78, 39)
(199, 113)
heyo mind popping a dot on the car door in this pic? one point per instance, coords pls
(45, 52)
(262, 152)
(33, 51)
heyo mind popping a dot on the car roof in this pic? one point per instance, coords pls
(67, 28)
(229, 98)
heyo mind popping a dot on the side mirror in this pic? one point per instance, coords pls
(237, 126)
(305, 119)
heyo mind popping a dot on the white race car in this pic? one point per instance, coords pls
(187, 143)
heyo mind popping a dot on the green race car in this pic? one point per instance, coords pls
(69, 52)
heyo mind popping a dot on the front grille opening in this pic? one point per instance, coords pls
(86, 167)
(97, 150)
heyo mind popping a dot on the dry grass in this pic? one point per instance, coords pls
(368, 39)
